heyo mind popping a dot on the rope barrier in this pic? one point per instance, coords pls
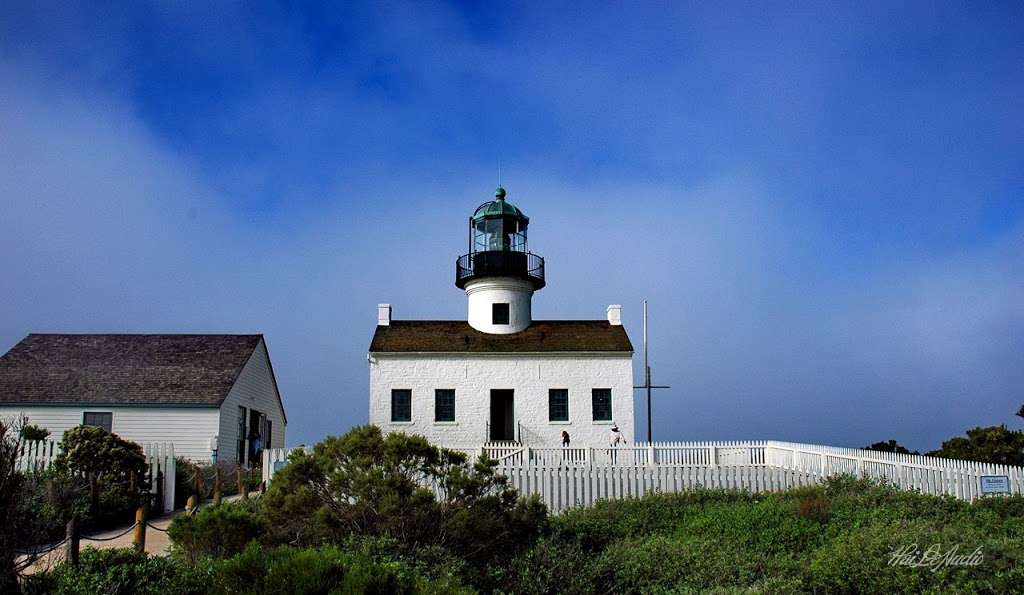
(122, 534)
(44, 550)
(154, 527)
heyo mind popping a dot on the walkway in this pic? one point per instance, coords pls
(157, 542)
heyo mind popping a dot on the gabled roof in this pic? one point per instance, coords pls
(195, 370)
(456, 336)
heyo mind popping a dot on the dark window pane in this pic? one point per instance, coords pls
(100, 420)
(240, 446)
(602, 404)
(558, 404)
(444, 404)
(401, 405)
(499, 313)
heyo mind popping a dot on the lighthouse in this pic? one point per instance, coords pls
(500, 375)
(499, 274)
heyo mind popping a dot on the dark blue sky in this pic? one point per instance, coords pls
(823, 204)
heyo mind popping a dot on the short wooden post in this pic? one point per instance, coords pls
(71, 544)
(190, 506)
(139, 534)
(243, 486)
(216, 486)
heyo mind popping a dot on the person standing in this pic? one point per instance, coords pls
(616, 437)
(565, 439)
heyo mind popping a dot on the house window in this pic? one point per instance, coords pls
(499, 313)
(444, 404)
(602, 403)
(401, 405)
(558, 404)
(100, 420)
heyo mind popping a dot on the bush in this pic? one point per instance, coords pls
(121, 572)
(370, 485)
(329, 569)
(33, 433)
(609, 520)
(550, 567)
(217, 531)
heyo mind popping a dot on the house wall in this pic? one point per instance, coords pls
(530, 376)
(188, 428)
(254, 389)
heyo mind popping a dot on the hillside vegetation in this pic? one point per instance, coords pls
(351, 517)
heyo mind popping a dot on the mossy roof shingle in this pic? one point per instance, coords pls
(124, 369)
(456, 336)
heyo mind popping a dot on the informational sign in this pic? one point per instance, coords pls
(995, 484)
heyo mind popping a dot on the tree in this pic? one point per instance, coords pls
(994, 444)
(891, 446)
(403, 488)
(10, 488)
(1020, 412)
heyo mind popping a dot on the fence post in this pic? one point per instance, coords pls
(190, 505)
(160, 490)
(243, 485)
(139, 535)
(650, 454)
(216, 486)
(71, 546)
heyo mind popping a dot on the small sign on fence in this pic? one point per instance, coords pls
(995, 484)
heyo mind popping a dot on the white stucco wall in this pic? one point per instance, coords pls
(188, 428)
(482, 293)
(530, 376)
(254, 389)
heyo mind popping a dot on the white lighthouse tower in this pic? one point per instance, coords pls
(499, 274)
(500, 375)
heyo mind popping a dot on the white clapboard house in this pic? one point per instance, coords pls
(210, 396)
(500, 375)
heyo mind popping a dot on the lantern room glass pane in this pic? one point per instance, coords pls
(499, 234)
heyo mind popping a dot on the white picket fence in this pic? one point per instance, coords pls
(38, 455)
(568, 477)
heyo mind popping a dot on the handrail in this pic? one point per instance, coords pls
(504, 263)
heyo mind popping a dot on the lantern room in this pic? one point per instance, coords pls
(498, 225)
(498, 246)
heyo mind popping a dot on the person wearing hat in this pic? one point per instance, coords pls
(616, 437)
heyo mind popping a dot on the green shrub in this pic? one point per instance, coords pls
(34, 433)
(217, 531)
(309, 571)
(550, 567)
(609, 520)
(121, 572)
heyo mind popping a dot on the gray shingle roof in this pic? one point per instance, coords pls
(456, 336)
(124, 369)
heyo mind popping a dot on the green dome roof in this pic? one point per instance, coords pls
(499, 207)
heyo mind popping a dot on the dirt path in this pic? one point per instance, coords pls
(157, 542)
